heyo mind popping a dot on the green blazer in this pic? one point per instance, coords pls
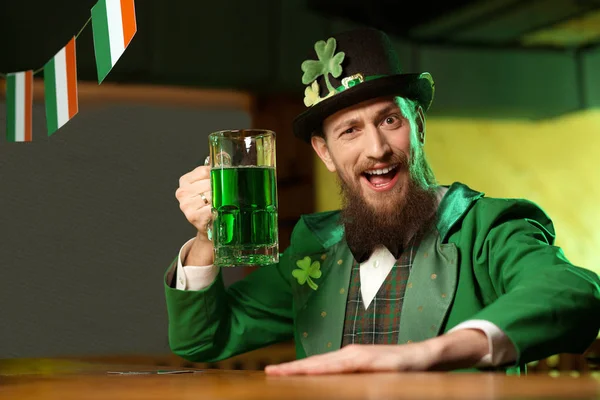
(490, 259)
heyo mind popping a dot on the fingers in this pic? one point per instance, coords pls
(193, 191)
(206, 198)
(196, 212)
(194, 196)
(361, 358)
(197, 174)
(331, 363)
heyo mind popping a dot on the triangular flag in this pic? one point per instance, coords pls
(60, 87)
(19, 105)
(113, 25)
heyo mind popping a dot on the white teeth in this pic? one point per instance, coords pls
(381, 171)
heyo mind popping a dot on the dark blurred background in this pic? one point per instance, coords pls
(88, 218)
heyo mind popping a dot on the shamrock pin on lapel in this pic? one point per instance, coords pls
(328, 63)
(307, 272)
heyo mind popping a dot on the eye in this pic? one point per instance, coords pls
(347, 132)
(392, 121)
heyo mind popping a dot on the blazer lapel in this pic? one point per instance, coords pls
(434, 276)
(430, 290)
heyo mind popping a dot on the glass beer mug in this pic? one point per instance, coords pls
(244, 197)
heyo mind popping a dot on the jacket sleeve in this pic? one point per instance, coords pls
(217, 323)
(544, 304)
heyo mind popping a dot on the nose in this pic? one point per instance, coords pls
(376, 146)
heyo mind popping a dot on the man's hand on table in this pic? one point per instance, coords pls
(459, 349)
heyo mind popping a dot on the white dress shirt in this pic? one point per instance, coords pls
(372, 275)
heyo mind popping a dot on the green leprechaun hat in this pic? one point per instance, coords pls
(352, 67)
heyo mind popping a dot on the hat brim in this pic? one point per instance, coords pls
(418, 87)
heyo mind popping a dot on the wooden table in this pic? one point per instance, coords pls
(66, 380)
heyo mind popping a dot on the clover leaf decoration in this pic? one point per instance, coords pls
(307, 272)
(311, 94)
(328, 63)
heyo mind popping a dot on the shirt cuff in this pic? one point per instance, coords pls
(192, 277)
(501, 349)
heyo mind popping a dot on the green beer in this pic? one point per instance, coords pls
(245, 215)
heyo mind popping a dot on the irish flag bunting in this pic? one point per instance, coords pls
(113, 25)
(19, 104)
(60, 88)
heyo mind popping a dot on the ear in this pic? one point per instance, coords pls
(320, 146)
(421, 125)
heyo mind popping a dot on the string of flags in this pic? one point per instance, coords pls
(113, 27)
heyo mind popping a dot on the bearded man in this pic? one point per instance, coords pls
(413, 275)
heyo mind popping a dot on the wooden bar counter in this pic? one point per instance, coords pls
(66, 380)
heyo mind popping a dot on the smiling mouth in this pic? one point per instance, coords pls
(382, 179)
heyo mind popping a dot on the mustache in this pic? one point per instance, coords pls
(401, 159)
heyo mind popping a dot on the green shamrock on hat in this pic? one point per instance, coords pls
(307, 271)
(311, 94)
(328, 63)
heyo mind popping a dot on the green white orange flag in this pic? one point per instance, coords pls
(19, 105)
(60, 88)
(113, 24)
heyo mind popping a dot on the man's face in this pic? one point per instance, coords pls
(369, 146)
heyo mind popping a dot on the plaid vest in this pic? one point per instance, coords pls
(380, 322)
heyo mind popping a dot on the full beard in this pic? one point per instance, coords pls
(404, 220)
